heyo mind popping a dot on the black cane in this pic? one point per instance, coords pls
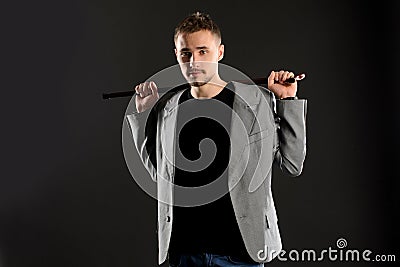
(257, 81)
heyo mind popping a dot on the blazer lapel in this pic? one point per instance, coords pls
(243, 117)
(168, 132)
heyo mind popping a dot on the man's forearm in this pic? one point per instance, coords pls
(292, 135)
(146, 149)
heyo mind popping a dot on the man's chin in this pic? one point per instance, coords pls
(197, 83)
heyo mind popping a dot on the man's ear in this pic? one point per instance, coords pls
(221, 50)
(176, 52)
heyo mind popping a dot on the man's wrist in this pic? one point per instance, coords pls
(289, 98)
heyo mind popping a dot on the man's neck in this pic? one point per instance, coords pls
(208, 90)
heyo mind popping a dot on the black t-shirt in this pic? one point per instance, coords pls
(212, 227)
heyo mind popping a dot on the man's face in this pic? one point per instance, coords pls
(198, 54)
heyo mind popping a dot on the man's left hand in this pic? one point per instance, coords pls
(276, 83)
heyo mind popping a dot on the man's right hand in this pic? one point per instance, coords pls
(146, 96)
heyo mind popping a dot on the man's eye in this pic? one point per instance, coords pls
(202, 52)
(186, 54)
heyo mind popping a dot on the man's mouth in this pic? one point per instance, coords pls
(195, 72)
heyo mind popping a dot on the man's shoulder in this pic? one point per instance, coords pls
(253, 90)
(169, 96)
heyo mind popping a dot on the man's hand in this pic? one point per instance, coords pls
(146, 96)
(276, 83)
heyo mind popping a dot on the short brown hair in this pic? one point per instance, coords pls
(196, 22)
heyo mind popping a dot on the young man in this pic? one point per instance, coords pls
(240, 228)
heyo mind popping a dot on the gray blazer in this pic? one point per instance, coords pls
(275, 130)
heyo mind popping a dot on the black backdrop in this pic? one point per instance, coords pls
(66, 196)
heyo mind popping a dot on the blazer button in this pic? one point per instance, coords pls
(168, 219)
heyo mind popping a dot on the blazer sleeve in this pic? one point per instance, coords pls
(143, 127)
(290, 141)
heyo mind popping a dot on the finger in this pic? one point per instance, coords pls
(137, 89)
(283, 79)
(146, 89)
(276, 76)
(290, 76)
(281, 73)
(271, 79)
(141, 94)
(153, 88)
(285, 76)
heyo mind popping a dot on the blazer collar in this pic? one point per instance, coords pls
(244, 96)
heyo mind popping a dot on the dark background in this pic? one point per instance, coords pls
(66, 195)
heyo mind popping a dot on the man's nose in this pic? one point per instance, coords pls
(193, 60)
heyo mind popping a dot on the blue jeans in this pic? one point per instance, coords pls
(208, 260)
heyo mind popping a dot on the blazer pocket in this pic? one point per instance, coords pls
(254, 137)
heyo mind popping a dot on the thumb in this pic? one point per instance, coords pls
(271, 78)
(154, 90)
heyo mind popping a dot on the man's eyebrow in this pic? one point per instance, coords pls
(198, 48)
(201, 47)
